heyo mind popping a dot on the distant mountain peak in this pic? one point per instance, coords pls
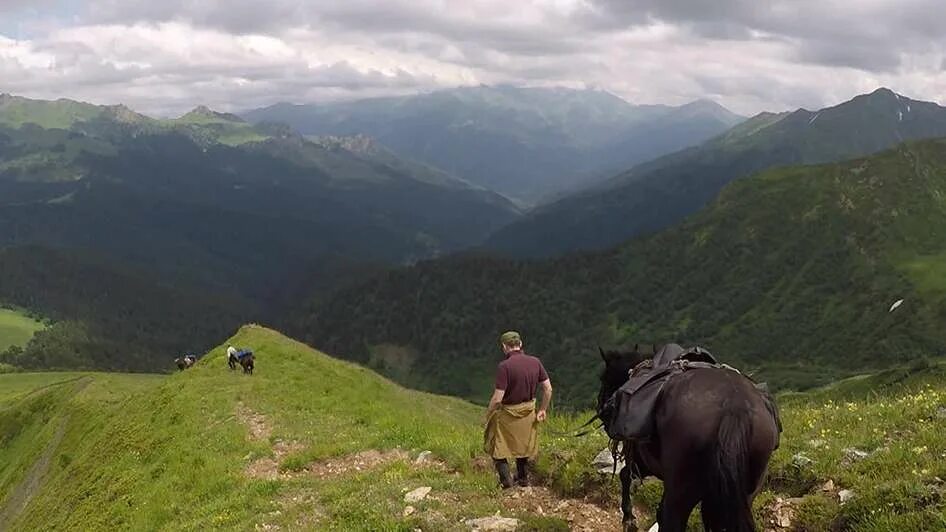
(7, 98)
(883, 91)
(122, 113)
(702, 102)
(709, 108)
(882, 94)
(204, 113)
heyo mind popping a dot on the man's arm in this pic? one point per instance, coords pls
(546, 399)
(495, 401)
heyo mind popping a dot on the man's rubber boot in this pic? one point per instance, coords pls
(505, 479)
(522, 472)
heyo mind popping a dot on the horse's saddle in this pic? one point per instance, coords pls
(631, 408)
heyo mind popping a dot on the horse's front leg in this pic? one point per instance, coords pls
(627, 509)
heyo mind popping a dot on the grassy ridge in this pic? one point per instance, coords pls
(171, 455)
(16, 328)
(174, 453)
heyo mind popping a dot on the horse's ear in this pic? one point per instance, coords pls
(655, 349)
(637, 348)
(601, 352)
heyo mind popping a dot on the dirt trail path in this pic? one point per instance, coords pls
(581, 515)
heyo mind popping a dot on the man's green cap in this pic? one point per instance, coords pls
(509, 338)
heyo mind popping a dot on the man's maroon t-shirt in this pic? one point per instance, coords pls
(519, 375)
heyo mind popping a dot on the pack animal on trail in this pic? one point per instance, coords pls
(708, 437)
(185, 362)
(244, 357)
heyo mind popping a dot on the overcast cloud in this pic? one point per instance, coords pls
(164, 57)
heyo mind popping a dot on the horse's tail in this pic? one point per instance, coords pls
(728, 500)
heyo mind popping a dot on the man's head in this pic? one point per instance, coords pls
(510, 341)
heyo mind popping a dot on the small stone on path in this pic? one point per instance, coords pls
(845, 495)
(417, 495)
(408, 511)
(493, 524)
(423, 457)
(604, 462)
(853, 455)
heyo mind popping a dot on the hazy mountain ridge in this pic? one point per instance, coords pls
(660, 193)
(527, 143)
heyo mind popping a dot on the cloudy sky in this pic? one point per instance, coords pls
(166, 56)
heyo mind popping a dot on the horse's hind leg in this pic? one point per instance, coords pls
(627, 509)
(678, 503)
(710, 519)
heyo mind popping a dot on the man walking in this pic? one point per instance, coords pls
(512, 419)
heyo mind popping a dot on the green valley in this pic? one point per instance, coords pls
(313, 443)
(108, 315)
(789, 274)
(16, 328)
(138, 238)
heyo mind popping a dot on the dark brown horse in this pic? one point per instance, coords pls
(185, 362)
(712, 441)
(247, 362)
(244, 358)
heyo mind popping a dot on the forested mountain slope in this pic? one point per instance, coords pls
(107, 315)
(789, 273)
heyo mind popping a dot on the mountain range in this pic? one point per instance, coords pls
(526, 143)
(217, 200)
(142, 238)
(662, 192)
(344, 241)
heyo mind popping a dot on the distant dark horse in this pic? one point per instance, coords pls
(245, 360)
(712, 441)
(185, 362)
